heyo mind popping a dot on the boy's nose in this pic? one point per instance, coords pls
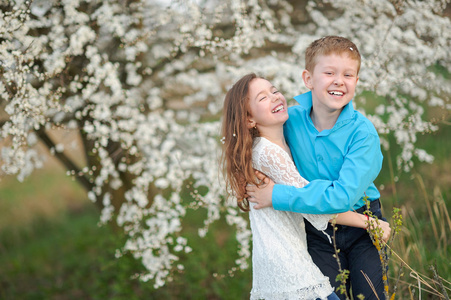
(338, 81)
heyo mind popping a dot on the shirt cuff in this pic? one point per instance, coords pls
(281, 197)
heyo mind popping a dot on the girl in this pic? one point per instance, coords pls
(253, 117)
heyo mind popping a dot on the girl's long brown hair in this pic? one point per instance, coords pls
(237, 141)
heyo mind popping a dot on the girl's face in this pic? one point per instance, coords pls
(267, 106)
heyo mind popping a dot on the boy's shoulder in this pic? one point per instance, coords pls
(296, 108)
(297, 116)
(361, 123)
(302, 104)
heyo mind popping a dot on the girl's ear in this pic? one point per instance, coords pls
(251, 123)
(307, 77)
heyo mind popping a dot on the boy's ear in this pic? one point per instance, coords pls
(307, 77)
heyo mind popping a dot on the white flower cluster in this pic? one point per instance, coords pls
(144, 86)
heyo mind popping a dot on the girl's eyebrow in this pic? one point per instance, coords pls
(256, 96)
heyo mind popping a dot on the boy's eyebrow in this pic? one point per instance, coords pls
(334, 67)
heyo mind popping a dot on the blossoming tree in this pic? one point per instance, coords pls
(142, 83)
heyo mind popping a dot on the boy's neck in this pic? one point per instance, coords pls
(323, 121)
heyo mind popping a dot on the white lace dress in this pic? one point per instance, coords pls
(282, 266)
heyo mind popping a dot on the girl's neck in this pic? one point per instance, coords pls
(275, 136)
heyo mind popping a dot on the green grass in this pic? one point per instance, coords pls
(74, 259)
(44, 194)
(61, 253)
(424, 197)
(52, 248)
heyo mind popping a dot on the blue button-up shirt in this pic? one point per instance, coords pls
(341, 163)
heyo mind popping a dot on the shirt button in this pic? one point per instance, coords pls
(320, 158)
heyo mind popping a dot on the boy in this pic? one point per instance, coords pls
(338, 150)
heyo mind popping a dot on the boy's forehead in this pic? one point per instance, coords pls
(343, 54)
(335, 57)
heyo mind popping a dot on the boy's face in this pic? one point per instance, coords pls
(332, 82)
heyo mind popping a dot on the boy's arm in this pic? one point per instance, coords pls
(361, 221)
(360, 168)
(348, 218)
(270, 159)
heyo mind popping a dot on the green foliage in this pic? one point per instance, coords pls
(342, 277)
(397, 221)
(70, 257)
(420, 198)
(343, 274)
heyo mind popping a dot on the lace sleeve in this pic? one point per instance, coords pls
(273, 161)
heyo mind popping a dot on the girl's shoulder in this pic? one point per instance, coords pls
(262, 145)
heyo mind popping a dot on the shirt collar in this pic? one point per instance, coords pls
(305, 101)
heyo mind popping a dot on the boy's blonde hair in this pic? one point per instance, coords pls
(330, 45)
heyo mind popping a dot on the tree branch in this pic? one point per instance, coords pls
(66, 161)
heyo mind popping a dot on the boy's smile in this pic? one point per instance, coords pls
(332, 83)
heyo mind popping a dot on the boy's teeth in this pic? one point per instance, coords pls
(278, 108)
(336, 93)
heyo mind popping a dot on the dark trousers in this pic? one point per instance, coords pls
(357, 254)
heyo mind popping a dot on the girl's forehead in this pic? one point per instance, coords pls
(259, 83)
(257, 86)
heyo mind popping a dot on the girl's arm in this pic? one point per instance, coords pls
(354, 219)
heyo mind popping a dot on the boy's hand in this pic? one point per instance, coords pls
(387, 230)
(385, 226)
(262, 194)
